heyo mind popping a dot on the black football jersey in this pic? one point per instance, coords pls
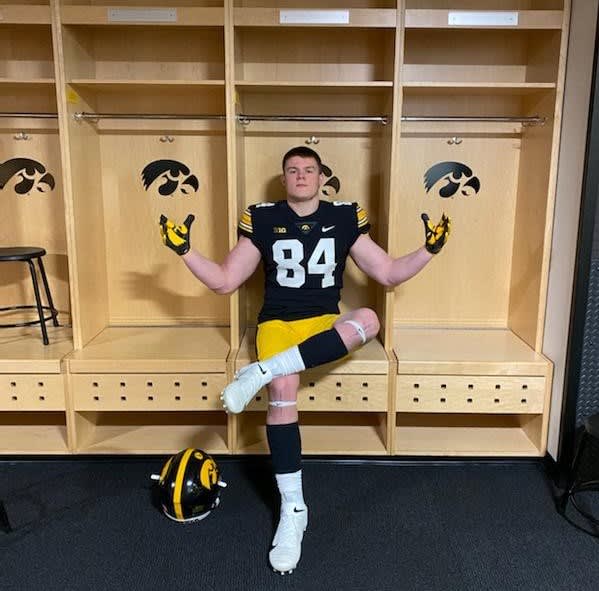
(303, 257)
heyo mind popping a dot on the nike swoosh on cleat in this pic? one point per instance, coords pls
(296, 510)
(262, 370)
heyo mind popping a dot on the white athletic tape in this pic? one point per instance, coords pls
(359, 328)
(282, 403)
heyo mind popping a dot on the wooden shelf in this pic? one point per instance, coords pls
(20, 83)
(527, 19)
(22, 349)
(482, 435)
(151, 433)
(315, 86)
(154, 349)
(358, 18)
(322, 433)
(116, 84)
(24, 14)
(186, 16)
(33, 433)
(465, 352)
(476, 88)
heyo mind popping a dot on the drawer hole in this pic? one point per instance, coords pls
(95, 384)
(204, 397)
(149, 384)
(15, 398)
(96, 398)
(470, 386)
(177, 397)
(311, 398)
(443, 400)
(416, 386)
(123, 398)
(496, 401)
(122, 384)
(415, 399)
(311, 384)
(525, 386)
(364, 384)
(497, 386)
(469, 401)
(524, 401)
(337, 397)
(204, 384)
(13, 384)
(338, 384)
(177, 384)
(42, 398)
(150, 398)
(40, 384)
(443, 386)
(258, 398)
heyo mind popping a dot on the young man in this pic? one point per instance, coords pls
(304, 244)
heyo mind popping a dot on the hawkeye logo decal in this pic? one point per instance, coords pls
(30, 174)
(172, 175)
(305, 227)
(455, 175)
(332, 186)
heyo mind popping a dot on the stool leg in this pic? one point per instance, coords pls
(571, 479)
(38, 302)
(48, 294)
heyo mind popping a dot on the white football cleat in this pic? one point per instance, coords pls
(287, 543)
(247, 383)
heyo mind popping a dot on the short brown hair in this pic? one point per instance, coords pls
(303, 152)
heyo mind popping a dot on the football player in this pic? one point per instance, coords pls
(303, 243)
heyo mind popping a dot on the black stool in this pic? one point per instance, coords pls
(576, 483)
(28, 254)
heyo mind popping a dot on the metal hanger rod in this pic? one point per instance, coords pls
(30, 115)
(245, 119)
(95, 116)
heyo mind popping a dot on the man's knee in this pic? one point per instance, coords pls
(283, 388)
(365, 322)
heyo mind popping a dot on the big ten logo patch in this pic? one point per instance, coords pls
(451, 178)
(332, 185)
(27, 176)
(169, 177)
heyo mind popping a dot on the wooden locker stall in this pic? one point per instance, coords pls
(472, 379)
(32, 400)
(144, 119)
(330, 86)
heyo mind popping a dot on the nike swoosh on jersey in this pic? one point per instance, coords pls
(327, 228)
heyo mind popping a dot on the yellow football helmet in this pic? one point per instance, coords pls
(189, 485)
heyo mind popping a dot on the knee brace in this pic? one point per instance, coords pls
(359, 329)
(282, 403)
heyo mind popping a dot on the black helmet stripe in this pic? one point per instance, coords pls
(179, 482)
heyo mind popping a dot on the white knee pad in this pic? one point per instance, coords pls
(359, 329)
(282, 403)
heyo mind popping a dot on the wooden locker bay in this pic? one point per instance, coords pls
(225, 89)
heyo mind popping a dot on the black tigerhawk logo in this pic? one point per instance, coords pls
(31, 174)
(332, 186)
(175, 175)
(458, 177)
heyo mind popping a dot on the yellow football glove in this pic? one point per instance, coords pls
(176, 237)
(436, 236)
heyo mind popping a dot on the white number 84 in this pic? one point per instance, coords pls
(290, 272)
